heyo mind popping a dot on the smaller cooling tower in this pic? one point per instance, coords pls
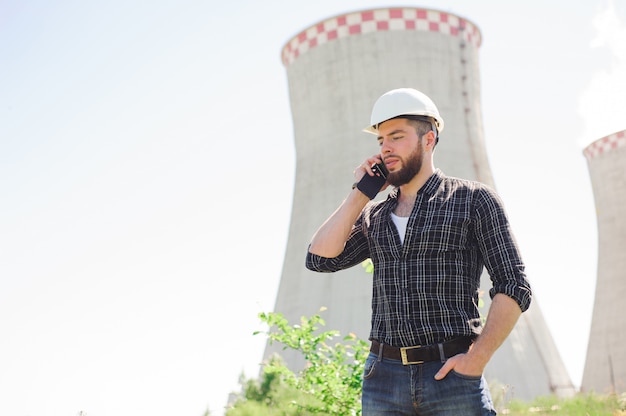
(605, 367)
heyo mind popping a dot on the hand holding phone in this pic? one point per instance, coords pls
(371, 185)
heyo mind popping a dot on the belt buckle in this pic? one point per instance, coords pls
(405, 360)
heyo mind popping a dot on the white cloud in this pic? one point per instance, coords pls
(602, 104)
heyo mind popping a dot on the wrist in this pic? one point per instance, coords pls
(359, 194)
(367, 186)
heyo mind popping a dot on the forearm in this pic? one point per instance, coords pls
(331, 237)
(503, 314)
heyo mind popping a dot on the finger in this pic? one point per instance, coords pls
(365, 167)
(444, 370)
(374, 160)
(359, 172)
(371, 162)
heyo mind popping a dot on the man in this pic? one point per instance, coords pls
(428, 241)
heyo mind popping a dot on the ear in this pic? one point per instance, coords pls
(430, 140)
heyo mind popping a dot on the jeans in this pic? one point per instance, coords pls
(391, 388)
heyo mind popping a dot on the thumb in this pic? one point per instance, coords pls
(444, 370)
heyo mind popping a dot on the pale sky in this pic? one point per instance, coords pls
(146, 174)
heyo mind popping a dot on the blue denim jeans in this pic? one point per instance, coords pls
(391, 388)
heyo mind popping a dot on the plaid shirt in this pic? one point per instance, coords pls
(426, 290)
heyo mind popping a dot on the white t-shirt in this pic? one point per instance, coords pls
(400, 223)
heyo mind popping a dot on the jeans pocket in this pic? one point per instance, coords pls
(370, 367)
(466, 377)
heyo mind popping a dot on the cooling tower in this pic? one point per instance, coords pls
(336, 70)
(605, 367)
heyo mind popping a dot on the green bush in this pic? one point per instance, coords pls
(330, 383)
(271, 396)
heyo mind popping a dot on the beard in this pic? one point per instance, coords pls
(410, 167)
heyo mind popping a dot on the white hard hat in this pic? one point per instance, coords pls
(403, 101)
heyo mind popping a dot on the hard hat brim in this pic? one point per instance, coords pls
(436, 121)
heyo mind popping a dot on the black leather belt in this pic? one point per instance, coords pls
(419, 354)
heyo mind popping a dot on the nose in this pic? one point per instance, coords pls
(385, 146)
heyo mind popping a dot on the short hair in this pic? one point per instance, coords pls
(422, 125)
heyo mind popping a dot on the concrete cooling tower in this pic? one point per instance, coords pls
(336, 70)
(605, 367)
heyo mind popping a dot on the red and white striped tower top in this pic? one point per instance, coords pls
(369, 21)
(605, 144)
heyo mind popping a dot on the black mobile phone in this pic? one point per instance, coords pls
(380, 168)
(370, 185)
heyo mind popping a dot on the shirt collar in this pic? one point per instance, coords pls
(429, 188)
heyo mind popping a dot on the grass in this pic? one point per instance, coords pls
(578, 405)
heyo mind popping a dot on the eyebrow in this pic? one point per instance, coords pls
(396, 131)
